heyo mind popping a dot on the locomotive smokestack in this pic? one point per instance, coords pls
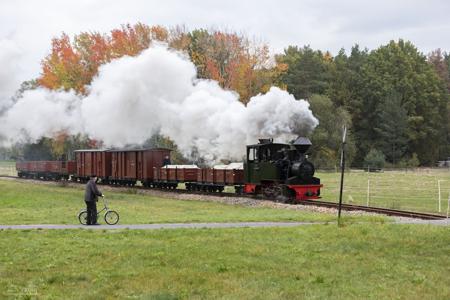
(302, 144)
(265, 141)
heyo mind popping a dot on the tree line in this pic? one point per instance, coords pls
(394, 99)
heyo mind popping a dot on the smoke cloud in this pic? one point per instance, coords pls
(158, 92)
(10, 56)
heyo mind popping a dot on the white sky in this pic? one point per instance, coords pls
(325, 25)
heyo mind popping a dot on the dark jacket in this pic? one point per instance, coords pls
(166, 162)
(92, 192)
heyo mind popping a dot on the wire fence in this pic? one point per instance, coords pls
(419, 189)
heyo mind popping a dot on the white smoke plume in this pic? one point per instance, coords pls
(158, 92)
(10, 56)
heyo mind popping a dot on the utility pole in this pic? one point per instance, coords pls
(342, 173)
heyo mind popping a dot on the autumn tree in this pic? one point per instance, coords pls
(72, 65)
(440, 62)
(62, 68)
(232, 60)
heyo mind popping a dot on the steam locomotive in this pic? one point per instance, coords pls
(274, 170)
(281, 171)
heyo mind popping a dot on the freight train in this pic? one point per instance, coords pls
(274, 170)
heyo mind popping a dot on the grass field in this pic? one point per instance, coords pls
(369, 260)
(413, 190)
(23, 202)
(311, 262)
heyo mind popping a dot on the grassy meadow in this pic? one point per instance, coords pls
(407, 190)
(24, 202)
(367, 258)
(359, 261)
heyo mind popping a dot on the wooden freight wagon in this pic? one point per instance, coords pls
(129, 166)
(234, 176)
(215, 179)
(21, 168)
(47, 170)
(93, 162)
(68, 168)
(169, 176)
(207, 180)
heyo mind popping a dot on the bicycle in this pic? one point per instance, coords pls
(111, 217)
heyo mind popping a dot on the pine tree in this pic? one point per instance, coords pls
(392, 128)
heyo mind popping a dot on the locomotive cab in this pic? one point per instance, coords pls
(261, 158)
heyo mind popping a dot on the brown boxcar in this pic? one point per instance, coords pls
(93, 162)
(129, 166)
(156, 174)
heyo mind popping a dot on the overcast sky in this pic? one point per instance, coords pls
(326, 25)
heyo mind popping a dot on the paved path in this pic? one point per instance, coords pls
(163, 226)
(204, 225)
(443, 222)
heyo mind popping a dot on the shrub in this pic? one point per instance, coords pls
(411, 162)
(375, 159)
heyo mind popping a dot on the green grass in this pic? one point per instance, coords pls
(311, 262)
(417, 191)
(23, 202)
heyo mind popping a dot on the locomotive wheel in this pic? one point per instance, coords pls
(274, 192)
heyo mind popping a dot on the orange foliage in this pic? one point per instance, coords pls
(73, 65)
(230, 59)
(62, 68)
(58, 143)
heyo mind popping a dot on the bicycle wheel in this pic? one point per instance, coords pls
(111, 217)
(82, 217)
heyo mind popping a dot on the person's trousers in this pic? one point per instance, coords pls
(91, 212)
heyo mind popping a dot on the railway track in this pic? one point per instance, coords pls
(347, 207)
(379, 210)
